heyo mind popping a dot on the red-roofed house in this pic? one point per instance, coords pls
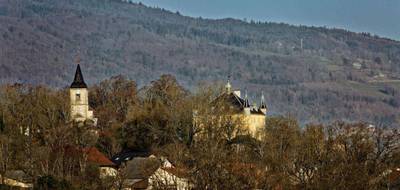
(107, 167)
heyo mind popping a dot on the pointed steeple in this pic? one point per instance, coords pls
(228, 85)
(246, 101)
(263, 105)
(78, 79)
(246, 106)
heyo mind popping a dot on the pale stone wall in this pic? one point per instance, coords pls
(15, 183)
(165, 178)
(108, 172)
(252, 123)
(90, 114)
(80, 104)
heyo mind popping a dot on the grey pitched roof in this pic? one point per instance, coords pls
(18, 175)
(237, 102)
(126, 155)
(232, 99)
(142, 167)
(78, 82)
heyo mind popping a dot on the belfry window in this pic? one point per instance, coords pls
(78, 97)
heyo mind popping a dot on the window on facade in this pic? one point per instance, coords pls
(78, 97)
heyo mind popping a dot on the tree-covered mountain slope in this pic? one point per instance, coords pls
(314, 74)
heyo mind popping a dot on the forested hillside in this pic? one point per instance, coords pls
(314, 74)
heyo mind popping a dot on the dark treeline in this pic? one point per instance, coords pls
(36, 137)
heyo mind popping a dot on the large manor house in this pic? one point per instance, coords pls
(253, 117)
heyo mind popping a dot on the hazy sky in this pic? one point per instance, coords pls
(380, 17)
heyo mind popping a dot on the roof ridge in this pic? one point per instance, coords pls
(237, 98)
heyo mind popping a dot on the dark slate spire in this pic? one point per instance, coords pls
(246, 101)
(78, 80)
(263, 106)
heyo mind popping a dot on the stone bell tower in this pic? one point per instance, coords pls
(79, 98)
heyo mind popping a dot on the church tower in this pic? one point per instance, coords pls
(79, 98)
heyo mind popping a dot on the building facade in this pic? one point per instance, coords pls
(79, 99)
(253, 118)
(237, 111)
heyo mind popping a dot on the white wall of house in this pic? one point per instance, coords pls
(16, 183)
(108, 172)
(162, 177)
